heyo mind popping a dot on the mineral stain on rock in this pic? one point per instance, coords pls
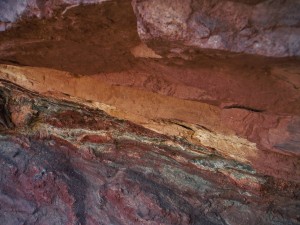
(149, 112)
(49, 177)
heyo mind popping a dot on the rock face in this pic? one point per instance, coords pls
(12, 10)
(250, 132)
(95, 33)
(267, 27)
(97, 127)
(70, 164)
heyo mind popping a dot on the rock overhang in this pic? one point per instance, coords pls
(160, 118)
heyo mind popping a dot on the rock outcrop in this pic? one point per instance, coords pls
(13, 10)
(263, 27)
(99, 127)
(65, 163)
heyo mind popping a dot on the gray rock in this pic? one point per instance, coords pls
(270, 28)
(12, 10)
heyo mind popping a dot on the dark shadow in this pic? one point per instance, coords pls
(87, 39)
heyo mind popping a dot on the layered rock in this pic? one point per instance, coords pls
(99, 128)
(64, 163)
(239, 132)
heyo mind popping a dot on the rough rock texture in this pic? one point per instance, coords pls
(99, 128)
(13, 10)
(84, 40)
(268, 138)
(265, 27)
(70, 164)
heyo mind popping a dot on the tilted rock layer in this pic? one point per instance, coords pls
(64, 163)
(97, 127)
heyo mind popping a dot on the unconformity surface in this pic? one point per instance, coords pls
(65, 163)
(149, 112)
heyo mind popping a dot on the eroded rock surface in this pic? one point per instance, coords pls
(97, 127)
(267, 27)
(13, 10)
(267, 139)
(70, 164)
(84, 40)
